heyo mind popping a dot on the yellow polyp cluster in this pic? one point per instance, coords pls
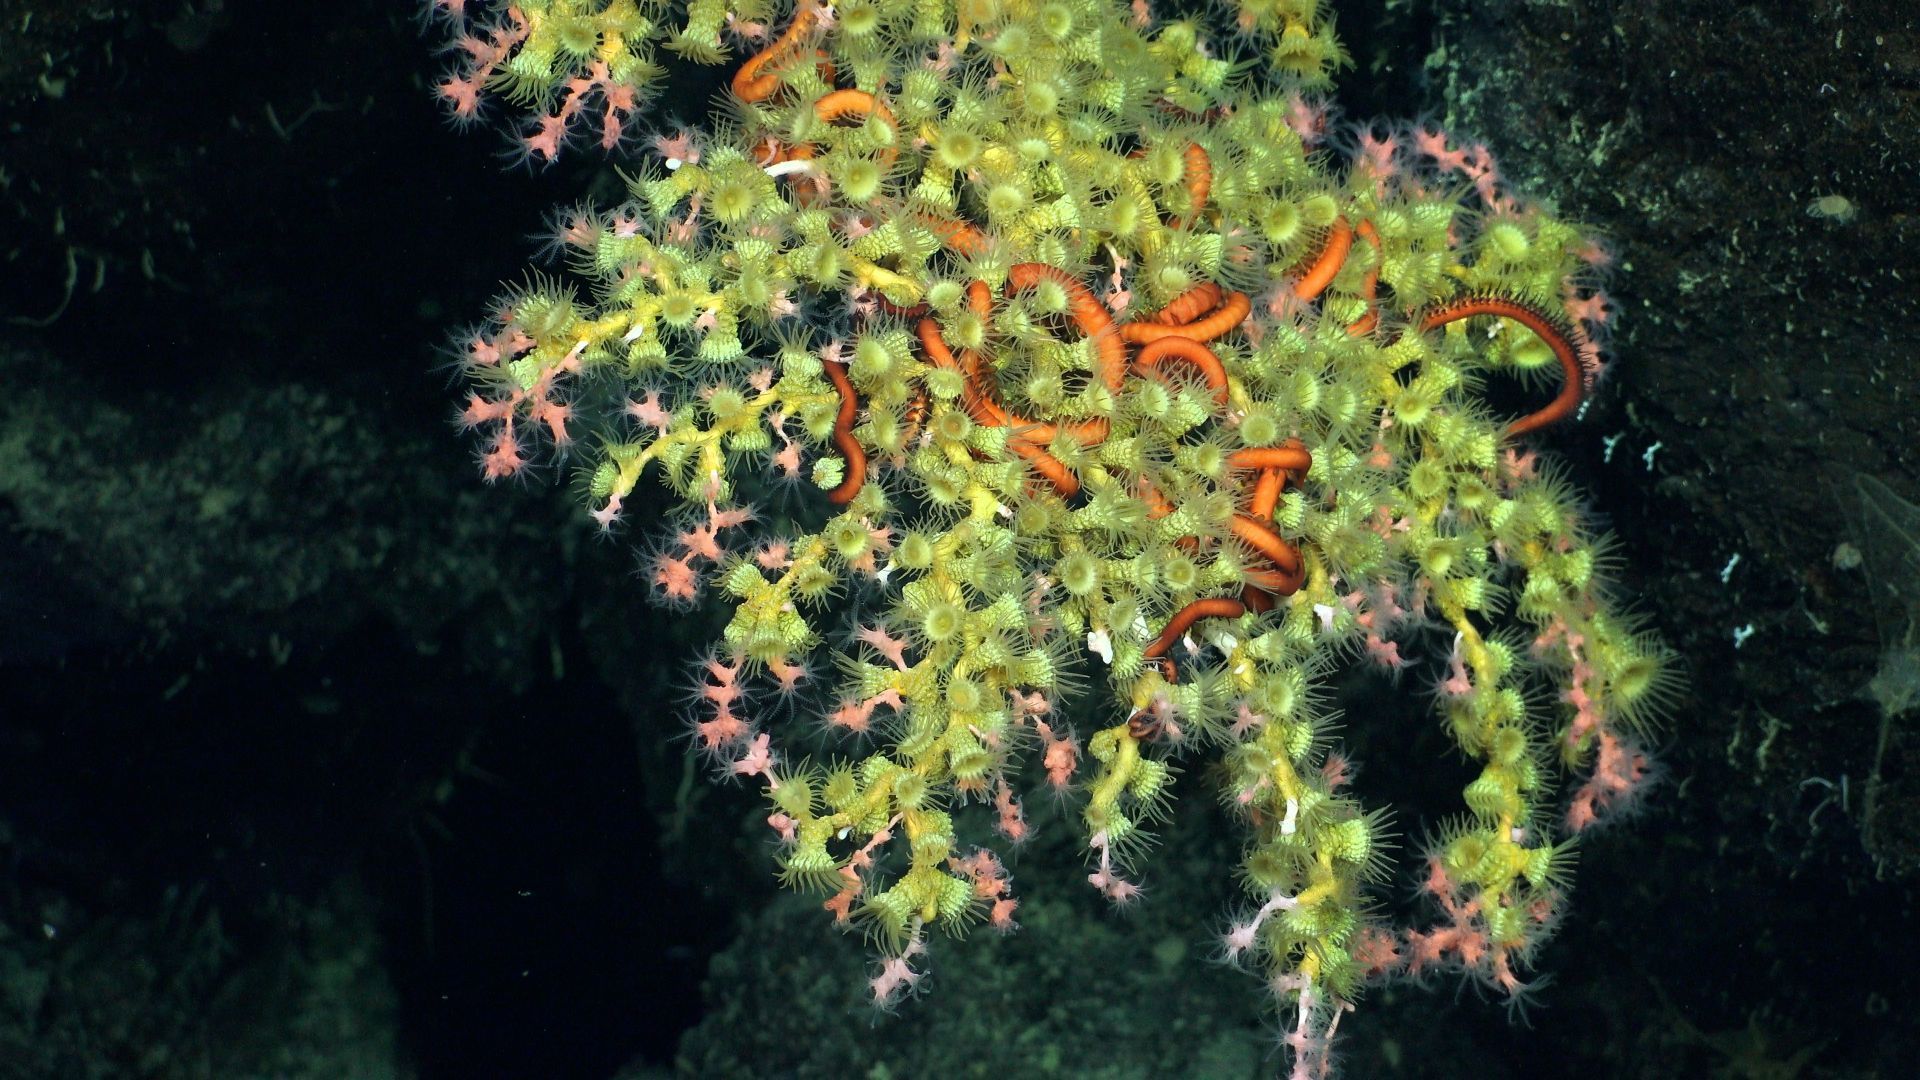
(1079, 352)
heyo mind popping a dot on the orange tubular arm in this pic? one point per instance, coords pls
(843, 440)
(843, 103)
(982, 403)
(1256, 535)
(961, 237)
(1051, 468)
(1234, 308)
(1088, 314)
(1365, 323)
(1190, 352)
(1546, 328)
(1266, 493)
(749, 84)
(1285, 458)
(1199, 177)
(1215, 607)
(1332, 257)
(1189, 305)
(1276, 465)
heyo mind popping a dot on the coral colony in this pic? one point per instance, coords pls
(1116, 379)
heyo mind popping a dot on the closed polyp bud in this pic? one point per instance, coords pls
(1149, 780)
(1506, 924)
(1432, 219)
(1509, 747)
(1500, 517)
(1499, 659)
(945, 383)
(841, 789)
(742, 579)
(1305, 390)
(1469, 593)
(919, 92)
(1490, 794)
(1480, 449)
(1540, 596)
(1543, 512)
(1350, 841)
(604, 475)
(1576, 568)
(1319, 210)
(1340, 404)
(1508, 241)
(1507, 707)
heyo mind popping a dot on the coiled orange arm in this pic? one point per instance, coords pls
(843, 440)
(754, 82)
(1333, 255)
(1233, 309)
(1189, 352)
(1557, 336)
